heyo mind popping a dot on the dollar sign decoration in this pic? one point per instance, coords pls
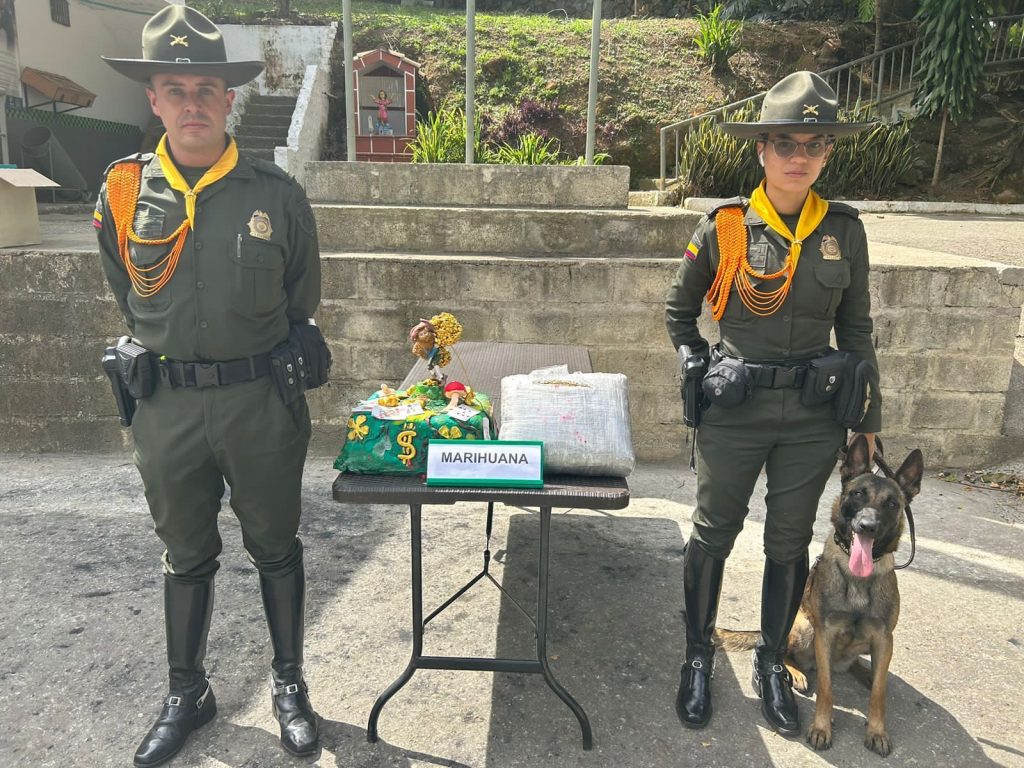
(405, 438)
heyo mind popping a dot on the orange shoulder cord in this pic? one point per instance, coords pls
(123, 184)
(732, 263)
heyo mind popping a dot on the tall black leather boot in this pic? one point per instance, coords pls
(781, 592)
(284, 601)
(702, 586)
(188, 605)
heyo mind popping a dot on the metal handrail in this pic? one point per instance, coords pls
(870, 82)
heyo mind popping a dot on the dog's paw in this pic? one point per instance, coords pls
(819, 738)
(800, 684)
(878, 742)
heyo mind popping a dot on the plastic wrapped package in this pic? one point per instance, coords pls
(582, 419)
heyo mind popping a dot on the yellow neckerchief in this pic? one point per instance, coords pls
(732, 248)
(124, 181)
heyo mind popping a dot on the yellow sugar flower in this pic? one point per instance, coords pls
(357, 428)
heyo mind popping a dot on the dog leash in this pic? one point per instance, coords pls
(910, 515)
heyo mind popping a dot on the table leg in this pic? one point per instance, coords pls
(542, 631)
(417, 623)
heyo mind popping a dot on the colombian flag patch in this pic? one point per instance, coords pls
(692, 250)
(97, 219)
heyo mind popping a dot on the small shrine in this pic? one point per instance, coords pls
(385, 90)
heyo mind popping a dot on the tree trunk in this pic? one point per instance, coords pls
(878, 25)
(938, 153)
(284, 8)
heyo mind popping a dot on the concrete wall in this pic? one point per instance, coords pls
(309, 120)
(945, 331)
(287, 51)
(75, 52)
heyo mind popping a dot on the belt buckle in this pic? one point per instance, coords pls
(207, 375)
(784, 377)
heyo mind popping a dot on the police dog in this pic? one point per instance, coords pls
(851, 602)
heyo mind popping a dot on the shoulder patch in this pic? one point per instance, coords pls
(849, 210)
(732, 202)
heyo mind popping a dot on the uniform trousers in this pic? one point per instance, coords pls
(797, 445)
(189, 441)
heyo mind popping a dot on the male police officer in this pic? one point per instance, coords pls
(213, 257)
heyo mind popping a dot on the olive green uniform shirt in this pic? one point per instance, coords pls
(829, 291)
(233, 293)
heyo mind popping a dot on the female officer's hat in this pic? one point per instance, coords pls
(799, 103)
(179, 39)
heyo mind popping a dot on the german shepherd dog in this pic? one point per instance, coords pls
(851, 602)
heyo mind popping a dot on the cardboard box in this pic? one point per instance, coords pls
(19, 217)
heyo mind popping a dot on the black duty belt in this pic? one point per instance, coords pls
(201, 375)
(778, 376)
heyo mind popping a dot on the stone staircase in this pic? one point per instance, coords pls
(264, 125)
(489, 210)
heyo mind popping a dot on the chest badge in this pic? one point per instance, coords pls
(830, 249)
(259, 226)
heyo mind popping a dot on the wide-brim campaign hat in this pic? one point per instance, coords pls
(179, 39)
(799, 103)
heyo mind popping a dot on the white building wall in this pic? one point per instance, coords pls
(287, 51)
(75, 52)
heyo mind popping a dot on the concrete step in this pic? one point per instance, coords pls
(457, 184)
(261, 142)
(273, 100)
(640, 232)
(270, 131)
(258, 119)
(269, 109)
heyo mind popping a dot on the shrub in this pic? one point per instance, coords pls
(531, 149)
(441, 138)
(717, 38)
(866, 165)
(529, 117)
(714, 164)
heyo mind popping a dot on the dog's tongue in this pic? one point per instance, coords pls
(860, 555)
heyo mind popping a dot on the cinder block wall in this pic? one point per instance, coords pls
(945, 330)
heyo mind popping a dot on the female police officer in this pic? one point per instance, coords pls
(780, 272)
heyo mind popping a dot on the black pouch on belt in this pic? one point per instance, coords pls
(826, 375)
(288, 369)
(727, 382)
(854, 397)
(316, 356)
(138, 369)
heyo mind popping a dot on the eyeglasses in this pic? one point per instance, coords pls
(787, 147)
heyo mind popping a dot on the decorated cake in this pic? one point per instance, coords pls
(388, 433)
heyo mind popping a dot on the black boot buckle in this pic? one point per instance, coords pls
(700, 665)
(174, 701)
(284, 690)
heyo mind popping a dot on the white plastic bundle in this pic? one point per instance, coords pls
(582, 419)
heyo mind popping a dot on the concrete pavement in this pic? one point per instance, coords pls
(81, 637)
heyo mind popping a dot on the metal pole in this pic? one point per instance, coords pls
(595, 53)
(352, 116)
(470, 77)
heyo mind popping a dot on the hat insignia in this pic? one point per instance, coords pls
(830, 249)
(179, 40)
(259, 225)
(811, 109)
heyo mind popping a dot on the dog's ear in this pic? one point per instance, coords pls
(909, 475)
(856, 462)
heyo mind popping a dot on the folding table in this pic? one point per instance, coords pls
(482, 366)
